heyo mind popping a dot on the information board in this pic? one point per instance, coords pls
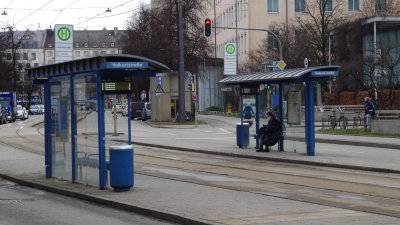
(294, 107)
(116, 85)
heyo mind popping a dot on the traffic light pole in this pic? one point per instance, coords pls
(279, 41)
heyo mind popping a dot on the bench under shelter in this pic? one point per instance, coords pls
(294, 102)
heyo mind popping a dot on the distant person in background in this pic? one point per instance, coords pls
(368, 106)
(247, 111)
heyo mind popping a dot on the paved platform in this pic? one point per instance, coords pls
(187, 203)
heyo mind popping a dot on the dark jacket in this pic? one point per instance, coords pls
(247, 111)
(368, 108)
(270, 132)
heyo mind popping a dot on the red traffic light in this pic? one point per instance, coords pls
(207, 27)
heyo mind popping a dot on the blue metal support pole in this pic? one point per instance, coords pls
(102, 136)
(73, 127)
(241, 117)
(47, 127)
(310, 129)
(129, 121)
(257, 118)
(281, 114)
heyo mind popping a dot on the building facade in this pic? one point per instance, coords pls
(87, 43)
(262, 14)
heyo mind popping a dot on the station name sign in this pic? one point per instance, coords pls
(116, 85)
(127, 65)
(324, 73)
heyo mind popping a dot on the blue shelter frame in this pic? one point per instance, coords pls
(281, 77)
(63, 78)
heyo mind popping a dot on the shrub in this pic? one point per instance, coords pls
(214, 108)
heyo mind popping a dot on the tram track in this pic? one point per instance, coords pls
(357, 190)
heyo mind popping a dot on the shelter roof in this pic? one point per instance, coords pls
(94, 64)
(279, 76)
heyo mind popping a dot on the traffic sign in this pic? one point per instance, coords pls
(191, 79)
(159, 89)
(159, 79)
(194, 97)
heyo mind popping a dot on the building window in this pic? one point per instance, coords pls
(272, 42)
(95, 44)
(25, 56)
(49, 53)
(86, 45)
(27, 65)
(27, 45)
(19, 66)
(112, 52)
(327, 5)
(272, 6)
(36, 64)
(354, 5)
(77, 53)
(300, 5)
(35, 44)
(33, 56)
(380, 5)
(112, 44)
(103, 52)
(86, 53)
(76, 45)
(49, 45)
(50, 62)
(95, 53)
(9, 56)
(103, 44)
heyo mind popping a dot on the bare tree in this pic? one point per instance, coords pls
(153, 33)
(372, 8)
(295, 48)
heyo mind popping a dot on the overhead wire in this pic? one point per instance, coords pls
(102, 13)
(33, 12)
(61, 11)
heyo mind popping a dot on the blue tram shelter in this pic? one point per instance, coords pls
(292, 100)
(77, 138)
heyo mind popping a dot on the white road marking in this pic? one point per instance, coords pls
(326, 149)
(168, 133)
(207, 131)
(225, 131)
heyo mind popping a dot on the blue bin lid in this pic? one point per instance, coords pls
(121, 147)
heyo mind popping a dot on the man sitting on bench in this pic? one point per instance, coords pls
(270, 133)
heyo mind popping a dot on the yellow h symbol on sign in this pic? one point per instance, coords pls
(64, 33)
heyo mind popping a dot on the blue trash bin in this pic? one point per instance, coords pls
(121, 167)
(242, 135)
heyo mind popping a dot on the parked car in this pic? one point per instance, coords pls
(42, 108)
(119, 108)
(35, 109)
(3, 116)
(136, 109)
(146, 111)
(22, 113)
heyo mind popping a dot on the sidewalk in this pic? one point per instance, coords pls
(175, 201)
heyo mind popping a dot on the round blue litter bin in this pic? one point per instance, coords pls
(121, 167)
(242, 135)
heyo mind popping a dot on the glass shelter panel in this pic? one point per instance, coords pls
(60, 133)
(116, 121)
(87, 131)
(294, 118)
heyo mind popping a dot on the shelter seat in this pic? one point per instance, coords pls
(90, 160)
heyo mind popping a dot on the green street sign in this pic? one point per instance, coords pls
(230, 49)
(64, 34)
